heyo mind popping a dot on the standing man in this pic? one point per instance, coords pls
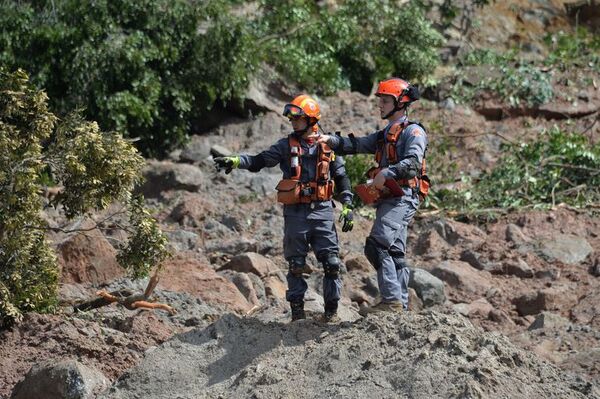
(399, 150)
(310, 172)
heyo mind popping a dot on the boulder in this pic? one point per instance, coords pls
(182, 240)
(462, 275)
(66, 379)
(565, 248)
(220, 151)
(358, 262)
(549, 320)
(191, 210)
(515, 235)
(165, 176)
(196, 150)
(186, 274)
(88, 258)
(553, 298)
(244, 284)
(518, 268)
(251, 262)
(478, 308)
(428, 288)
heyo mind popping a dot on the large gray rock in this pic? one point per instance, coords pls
(518, 268)
(565, 248)
(67, 379)
(182, 240)
(165, 175)
(549, 320)
(463, 276)
(196, 150)
(251, 262)
(428, 287)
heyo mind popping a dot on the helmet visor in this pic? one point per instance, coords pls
(292, 111)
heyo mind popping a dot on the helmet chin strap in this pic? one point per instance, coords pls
(396, 109)
(308, 126)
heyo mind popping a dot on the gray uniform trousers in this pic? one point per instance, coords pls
(390, 231)
(321, 235)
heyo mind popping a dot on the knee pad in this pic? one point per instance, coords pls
(331, 265)
(297, 265)
(375, 253)
(399, 260)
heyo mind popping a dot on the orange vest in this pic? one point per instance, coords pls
(421, 181)
(293, 191)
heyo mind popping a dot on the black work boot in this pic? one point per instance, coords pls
(297, 310)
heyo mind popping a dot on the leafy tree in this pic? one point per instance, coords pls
(93, 168)
(152, 69)
(149, 68)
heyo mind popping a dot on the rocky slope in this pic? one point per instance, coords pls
(501, 307)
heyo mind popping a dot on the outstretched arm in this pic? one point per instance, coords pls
(352, 145)
(254, 163)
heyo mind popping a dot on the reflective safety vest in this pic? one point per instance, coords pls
(420, 182)
(293, 191)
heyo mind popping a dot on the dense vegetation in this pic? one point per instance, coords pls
(152, 69)
(93, 169)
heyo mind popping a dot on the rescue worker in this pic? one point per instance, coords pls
(400, 178)
(310, 172)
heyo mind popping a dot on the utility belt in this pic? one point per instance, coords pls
(291, 191)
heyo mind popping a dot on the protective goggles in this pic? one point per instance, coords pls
(293, 111)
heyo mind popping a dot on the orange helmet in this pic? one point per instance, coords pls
(400, 89)
(303, 105)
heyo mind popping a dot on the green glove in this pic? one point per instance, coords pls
(347, 216)
(227, 163)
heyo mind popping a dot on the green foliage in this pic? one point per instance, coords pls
(85, 161)
(524, 83)
(28, 270)
(93, 169)
(580, 49)
(555, 168)
(147, 246)
(145, 67)
(356, 169)
(152, 69)
(509, 81)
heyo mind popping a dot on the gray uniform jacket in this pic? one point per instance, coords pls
(410, 149)
(279, 154)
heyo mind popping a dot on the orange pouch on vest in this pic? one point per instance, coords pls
(288, 191)
(367, 193)
(324, 192)
(424, 187)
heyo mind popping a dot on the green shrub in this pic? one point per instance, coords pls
(93, 168)
(557, 167)
(144, 67)
(356, 168)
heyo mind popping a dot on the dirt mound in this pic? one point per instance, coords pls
(427, 354)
